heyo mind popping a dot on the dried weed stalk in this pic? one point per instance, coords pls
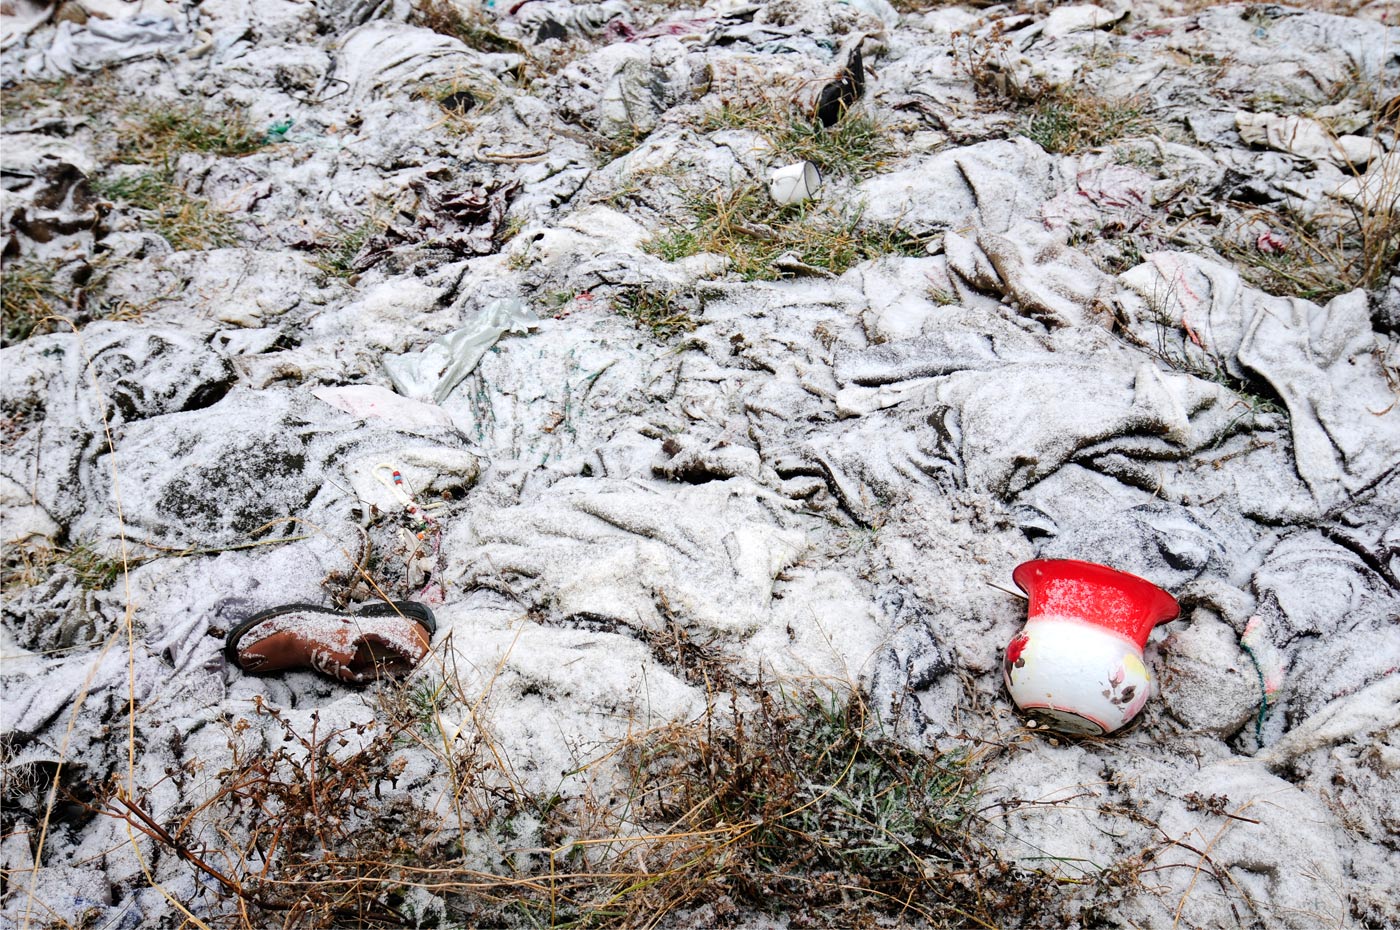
(773, 802)
(1343, 246)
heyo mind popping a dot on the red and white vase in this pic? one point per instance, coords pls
(1077, 664)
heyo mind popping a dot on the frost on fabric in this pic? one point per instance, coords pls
(815, 479)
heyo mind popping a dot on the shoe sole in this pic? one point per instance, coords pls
(410, 609)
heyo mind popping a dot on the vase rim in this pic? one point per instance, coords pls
(1152, 604)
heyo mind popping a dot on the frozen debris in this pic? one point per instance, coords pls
(368, 400)
(1304, 351)
(21, 17)
(1353, 716)
(56, 201)
(1065, 20)
(880, 9)
(841, 94)
(1377, 191)
(1261, 827)
(794, 183)
(382, 59)
(1116, 194)
(599, 548)
(611, 19)
(462, 222)
(431, 473)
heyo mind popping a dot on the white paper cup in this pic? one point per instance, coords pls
(794, 183)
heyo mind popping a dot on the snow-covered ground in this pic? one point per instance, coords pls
(823, 477)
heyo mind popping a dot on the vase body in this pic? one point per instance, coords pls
(1077, 664)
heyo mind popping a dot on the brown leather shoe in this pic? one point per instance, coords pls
(377, 639)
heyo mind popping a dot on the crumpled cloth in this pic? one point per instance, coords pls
(106, 42)
(617, 552)
(371, 400)
(1117, 194)
(977, 429)
(1306, 138)
(609, 18)
(19, 18)
(381, 58)
(1325, 362)
(1330, 616)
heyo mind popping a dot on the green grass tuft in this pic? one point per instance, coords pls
(29, 296)
(337, 258)
(664, 313)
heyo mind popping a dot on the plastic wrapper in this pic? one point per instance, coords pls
(432, 373)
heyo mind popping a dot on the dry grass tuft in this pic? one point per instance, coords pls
(30, 295)
(158, 134)
(785, 805)
(765, 241)
(461, 101)
(88, 96)
(45, 295)
(185, 221)
(1064, 120)
(1073, 122)
(772, 803)
(470, 28)
(1343, 247)
(299, 829)
(337, 256)
(858, 146)
(26, 565)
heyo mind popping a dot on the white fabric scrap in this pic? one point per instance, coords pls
(425, 469)
(21, 17)
(1321, 360)
(106, 42)
(1306, 138)
(1378, 190)
(371, 400)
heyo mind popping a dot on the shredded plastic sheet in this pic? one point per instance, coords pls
(435, 371)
